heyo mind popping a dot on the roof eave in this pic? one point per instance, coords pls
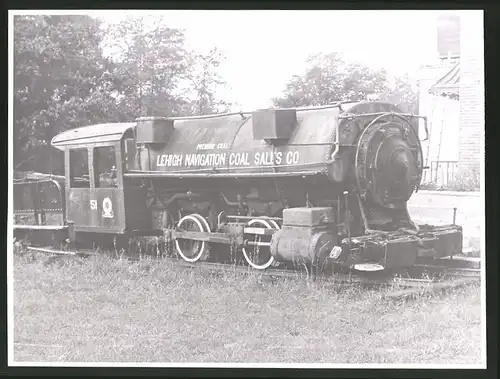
(448, 84)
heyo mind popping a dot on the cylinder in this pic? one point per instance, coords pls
(302, 244)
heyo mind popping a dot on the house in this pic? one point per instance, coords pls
(451, 95)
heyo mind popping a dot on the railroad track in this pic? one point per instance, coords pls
(444, 275)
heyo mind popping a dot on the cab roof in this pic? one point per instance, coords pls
(98, 133)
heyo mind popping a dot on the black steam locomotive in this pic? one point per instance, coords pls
(318, 185)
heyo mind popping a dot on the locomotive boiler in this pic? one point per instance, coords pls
(309, 186)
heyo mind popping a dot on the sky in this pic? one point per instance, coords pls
(264, 49)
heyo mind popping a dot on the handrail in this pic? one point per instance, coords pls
(336, 104)
(351, 116)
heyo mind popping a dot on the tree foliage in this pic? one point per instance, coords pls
(151, 61)
(157, 75)
(204, 80)
(61, 79)
(330, 77)
(402, 93)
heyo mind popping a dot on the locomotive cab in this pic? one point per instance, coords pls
(95, 162)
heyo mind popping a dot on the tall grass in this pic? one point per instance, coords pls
(103, 309)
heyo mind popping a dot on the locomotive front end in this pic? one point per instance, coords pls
(387, 169)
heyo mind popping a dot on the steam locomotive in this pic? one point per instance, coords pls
(315, 185)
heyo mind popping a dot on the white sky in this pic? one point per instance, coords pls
(265, 48)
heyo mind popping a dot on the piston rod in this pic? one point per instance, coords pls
(252, 243)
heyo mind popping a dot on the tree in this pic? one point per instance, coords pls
(61, 80)
(151, 61)
(157, 75)
(204, 81)
(403, 94)
(330, 78)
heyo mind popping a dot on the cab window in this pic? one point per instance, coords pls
(79, 168)
(105, 167)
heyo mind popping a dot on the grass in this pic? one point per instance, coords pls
(103, 310)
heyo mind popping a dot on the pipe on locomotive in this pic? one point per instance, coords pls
(241, 113)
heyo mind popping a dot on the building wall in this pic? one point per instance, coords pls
(443, 125)
(471, 129)
(463, 121)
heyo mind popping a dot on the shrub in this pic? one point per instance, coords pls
(465, 181)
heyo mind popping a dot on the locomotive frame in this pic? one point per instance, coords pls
(328, 202)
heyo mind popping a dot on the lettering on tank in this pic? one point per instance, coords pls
(255, 159)
(212, 146)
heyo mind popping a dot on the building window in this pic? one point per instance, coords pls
(79, 168)
(105, 167)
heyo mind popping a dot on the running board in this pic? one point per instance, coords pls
(60, 252)
(40, 227)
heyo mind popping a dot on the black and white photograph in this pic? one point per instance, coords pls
(246, 188)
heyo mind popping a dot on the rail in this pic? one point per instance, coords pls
(443, 276)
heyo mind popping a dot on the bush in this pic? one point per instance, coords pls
(465, 181)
